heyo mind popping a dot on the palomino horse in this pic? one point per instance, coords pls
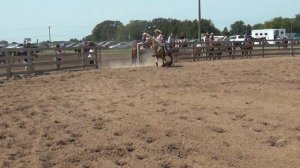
(160, 51)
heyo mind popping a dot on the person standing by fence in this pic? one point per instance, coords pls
(90, 58)
(58, 56)
(171, 41)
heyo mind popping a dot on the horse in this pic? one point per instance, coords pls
(214, 50)
(284, 42)
(160, 51)
(247, 47)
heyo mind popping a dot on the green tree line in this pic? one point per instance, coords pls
(116, 30)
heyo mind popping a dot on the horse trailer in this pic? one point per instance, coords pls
(269, 34)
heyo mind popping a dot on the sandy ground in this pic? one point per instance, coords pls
(241, 113)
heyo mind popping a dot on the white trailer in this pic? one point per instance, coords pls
(269, 34)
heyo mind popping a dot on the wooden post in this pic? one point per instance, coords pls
(84, 57)
(8, 64)
(138, 53)
(100, 57)
(29, 61)
(194, 59)
(234, 51)
(292, 47)
(263, 49)
(96, 57)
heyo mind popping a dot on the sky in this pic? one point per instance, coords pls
(76, 19)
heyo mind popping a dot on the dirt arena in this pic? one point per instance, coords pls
(241, 113)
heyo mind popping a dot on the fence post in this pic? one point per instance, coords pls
(194, 59)
(138, 53)
(84, 57)
(96, 57)
(8, 64)
(29, 61)
(292, 47)
(100, 57)
(234, 50)
(263, 49)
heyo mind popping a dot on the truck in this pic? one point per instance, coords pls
(269, 34)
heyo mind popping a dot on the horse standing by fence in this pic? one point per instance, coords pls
(247, 47)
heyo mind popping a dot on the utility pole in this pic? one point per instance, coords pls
(199, 20)
(49, 34)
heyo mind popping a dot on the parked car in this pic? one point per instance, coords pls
(89, 43)
(43, 45)
(15, 46)
(121, 45)
(294, 36)
(237, 38)
(101, 43)
(70, 45)
(108, 44)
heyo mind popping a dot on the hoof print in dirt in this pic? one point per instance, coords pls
(276, 141)
(218, 129)
(120, 162)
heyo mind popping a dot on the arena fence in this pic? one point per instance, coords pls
(195, 51)
(41, 60)
(17, 61)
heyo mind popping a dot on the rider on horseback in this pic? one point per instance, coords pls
(160, 38)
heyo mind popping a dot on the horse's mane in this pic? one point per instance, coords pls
(154, 41)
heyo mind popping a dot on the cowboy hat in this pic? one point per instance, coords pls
(144, 34)
(158, 31)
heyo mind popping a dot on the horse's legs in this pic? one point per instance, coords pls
(163, 61)
(156, 61)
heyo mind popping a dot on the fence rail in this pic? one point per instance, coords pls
(41, 60)
(31, 60)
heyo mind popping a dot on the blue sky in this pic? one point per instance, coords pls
(75, 19)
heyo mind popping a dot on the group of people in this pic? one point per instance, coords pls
(209, 37)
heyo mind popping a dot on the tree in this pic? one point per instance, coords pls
(248, 29)
(258, 26)
(4, 42)
(225, 32)
(106, 30)
(74, 40)
(238, 27)
(115, 30)
(135, 29)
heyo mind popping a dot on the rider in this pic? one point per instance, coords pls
(212, 37)
(160, 38)
(246, 37)
(171, 41)
(144, 40)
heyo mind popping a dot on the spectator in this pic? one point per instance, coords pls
(171, 40)
(90, 58)
(58, 56)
